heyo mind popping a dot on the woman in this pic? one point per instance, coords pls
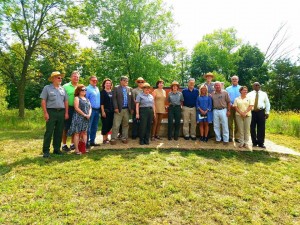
(175, 99)
(145, 110)
(80, 120)
(107, 108)
(159, 95)
(243, 106)
(204, 112)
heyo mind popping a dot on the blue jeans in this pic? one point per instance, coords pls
(93, 126)
(220, 119)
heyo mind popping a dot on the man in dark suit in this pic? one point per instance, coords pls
(123, 105)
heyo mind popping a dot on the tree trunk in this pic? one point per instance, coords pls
(21, 94)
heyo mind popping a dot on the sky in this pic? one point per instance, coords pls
(256, 21)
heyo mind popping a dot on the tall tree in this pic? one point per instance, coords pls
(25, 27)
(215, 53)
(135, 36)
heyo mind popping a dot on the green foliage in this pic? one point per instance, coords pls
(284, 84)
(287, 123)
(135, 38)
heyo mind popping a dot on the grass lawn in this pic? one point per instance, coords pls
(145, 186)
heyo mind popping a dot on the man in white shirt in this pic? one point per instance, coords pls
(260, 112)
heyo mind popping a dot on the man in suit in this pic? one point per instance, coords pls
(123, 105)
(260, 112)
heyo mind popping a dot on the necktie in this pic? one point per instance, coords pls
(256, 101)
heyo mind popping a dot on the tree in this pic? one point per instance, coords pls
(250, 65)
(135, 37)
(283, 87)
(25, 27)
(215, 53)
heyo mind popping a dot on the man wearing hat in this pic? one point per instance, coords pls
(135, 92)
(55, 107)
(123, 106)
(210, 85)
(175, 99)
(190, 95)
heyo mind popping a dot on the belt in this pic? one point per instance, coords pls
(258, 110)
(145, 107)
(71, 107)
(125, 107)
(95, 109)
(219, 108)
(56, 109)
(174, 105)
(189, 106)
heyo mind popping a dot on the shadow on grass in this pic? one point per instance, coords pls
(97, 155)
(21, 134)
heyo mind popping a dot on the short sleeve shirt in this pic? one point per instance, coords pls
(175, 98)
(54, 97)
(70, 90)
(220, 100)
(243, 104)
(145, 100)
(136, 92)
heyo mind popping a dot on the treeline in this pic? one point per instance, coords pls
(132, 37)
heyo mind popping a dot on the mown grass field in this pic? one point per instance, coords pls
(143, 186)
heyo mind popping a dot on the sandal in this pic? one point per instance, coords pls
(78, 153)
(106, 142)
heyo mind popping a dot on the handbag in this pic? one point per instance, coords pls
(82, 147)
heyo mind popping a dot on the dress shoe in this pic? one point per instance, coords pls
(94, 144)
(262, 146)
(230, 139)
(193, 138)
(201, 138)
(142, 142)
(146, 142)
(186, 138)
(46, 155)
(125, 141)
(65, 148)
(176, 138)
(169, 138)
(254, 145)
(225, 143)
(218, 142)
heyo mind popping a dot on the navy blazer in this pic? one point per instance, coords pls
(118, 98)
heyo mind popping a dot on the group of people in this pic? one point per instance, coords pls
(74, 110)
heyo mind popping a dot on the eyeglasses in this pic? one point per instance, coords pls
(94, 80)
(59, 78)
(83, 89)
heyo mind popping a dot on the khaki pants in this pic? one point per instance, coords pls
(189, 117)
(120, 118)
(244, 128)
(232, 125)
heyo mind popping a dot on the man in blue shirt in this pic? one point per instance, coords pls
(190, 95)
(93, 95)
(233, 92)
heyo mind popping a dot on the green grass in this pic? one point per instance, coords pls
(287, 123)
(142, 186)
(145, 186)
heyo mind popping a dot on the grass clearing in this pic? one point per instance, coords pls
(145, 186)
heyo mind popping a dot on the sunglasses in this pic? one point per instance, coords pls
(140, 82)
(59, 78)
(83, 89)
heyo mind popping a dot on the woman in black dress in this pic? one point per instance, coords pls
(107, 109)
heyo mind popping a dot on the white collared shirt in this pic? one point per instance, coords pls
(263, 100)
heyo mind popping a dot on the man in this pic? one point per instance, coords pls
(70, 90)
(210, 85)
(260, 112)
(55, 106)
(123, 106)
(190, 95)
(233, 92)
(93, 95)
(221, 105)
(135, 92)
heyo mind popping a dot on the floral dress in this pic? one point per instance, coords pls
(79, 122)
